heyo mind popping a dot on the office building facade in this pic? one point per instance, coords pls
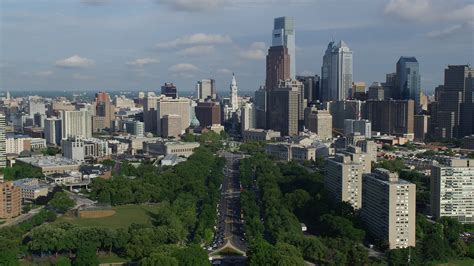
(336, 72)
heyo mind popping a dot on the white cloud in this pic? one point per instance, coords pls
(192, 5)
(224, 71)
(141, 62)
(46, 73)
(452, 30)
(429, 10)
(196, 39)
(255, 52)
(75, 61)
(198, 50)
(183, 67)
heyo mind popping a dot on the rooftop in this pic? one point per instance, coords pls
(47, 161)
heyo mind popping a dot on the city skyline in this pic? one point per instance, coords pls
(119, 45)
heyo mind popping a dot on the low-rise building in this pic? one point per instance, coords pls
(50, 164)
(184, 149)
(31, 188)
(259, 135)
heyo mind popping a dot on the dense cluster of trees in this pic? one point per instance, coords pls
(282, 196)
(18, 171)
(188, 194)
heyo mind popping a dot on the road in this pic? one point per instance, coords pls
(229, 229)
(22, 217)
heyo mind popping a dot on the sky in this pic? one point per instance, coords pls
(140, 44)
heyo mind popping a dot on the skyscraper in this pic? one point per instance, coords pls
(408, 80)
(311, 87)
(52, 131)
(169, 90)
(234, 98)
(76, 124)
(336, 72)
(104, 113)
(284, 35)
(206, 88)
(178, 106)
(149, 112)
(278, 66)
(391, 116)
(285, 107)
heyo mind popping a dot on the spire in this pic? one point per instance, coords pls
(234, 82)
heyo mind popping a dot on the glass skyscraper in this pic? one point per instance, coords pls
(284, 35)
(408, 79)
(336, 72)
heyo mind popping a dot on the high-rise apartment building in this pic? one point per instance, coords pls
(343, 178)
(169, 90)
(171, 126)
(376, 91)
(76, 124)
(336, 72)
(389, 208)
(452, 190)
(420, 126)
(285, 107)
(52, 131)
(10, 200)
(73, 148)
(284, 35)
(391, 116)
(3, 145)
(248, 117)
(408, 80)
(319, 122)
(205, 89)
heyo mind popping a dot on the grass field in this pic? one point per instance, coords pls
(123, 217)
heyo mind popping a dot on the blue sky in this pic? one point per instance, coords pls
(140, 44)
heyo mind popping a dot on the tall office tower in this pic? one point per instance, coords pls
(104, 112)
(389, 208)
(376, 91)
(149, 112)
(319, 122)
(284, 35)
(311, 87)
(171, 125)
(73, 148)
(341, 110)
(285, 107)
(205, 89)
(460, 78)
(52, 131)
(420, 127)
(336, 72)
(178, 106)
(362, 127)
(343, 177)
(408, 80)
(391, 116)
(234, 98)
(278, 66)
(169, 90)
(76, 124)
(10, 200)
(448, 112)
(260, 105)
(208, 113)
(452, 190)
(3, 145)
(390, 86)
(358, 91)
(248, 117)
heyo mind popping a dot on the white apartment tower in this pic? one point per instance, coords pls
(452, 190)
(76, 124)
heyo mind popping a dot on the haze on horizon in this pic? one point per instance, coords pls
(140, 44)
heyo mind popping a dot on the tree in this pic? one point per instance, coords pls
(191, 256)
(159, 259)
(86, 255)
(63, 261)
(61, 202)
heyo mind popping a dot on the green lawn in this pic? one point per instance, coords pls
(124, 216)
